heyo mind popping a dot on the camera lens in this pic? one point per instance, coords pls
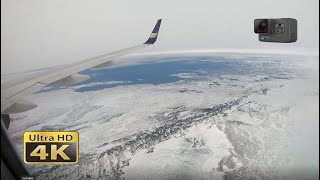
(261, 26)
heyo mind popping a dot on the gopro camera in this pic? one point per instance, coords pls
(283, 30)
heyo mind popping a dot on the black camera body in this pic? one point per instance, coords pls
(283, 30)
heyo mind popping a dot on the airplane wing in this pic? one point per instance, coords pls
(12, 93)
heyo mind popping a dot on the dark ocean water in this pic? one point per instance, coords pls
(160, 71)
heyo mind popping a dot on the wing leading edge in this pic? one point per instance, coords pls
(12, 95)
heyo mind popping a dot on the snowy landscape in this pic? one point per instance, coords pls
(186, 116)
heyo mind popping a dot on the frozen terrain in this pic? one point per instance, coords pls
(186, 117)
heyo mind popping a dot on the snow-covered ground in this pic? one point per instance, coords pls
(258, 124)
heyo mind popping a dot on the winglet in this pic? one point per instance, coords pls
(153, 36)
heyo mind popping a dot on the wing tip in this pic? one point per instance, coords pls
(154, 35)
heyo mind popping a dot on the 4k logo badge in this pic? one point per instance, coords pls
(51, 147)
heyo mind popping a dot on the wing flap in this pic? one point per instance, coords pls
(73, 79)
(20, 106)
(108, 64)
(7, 102)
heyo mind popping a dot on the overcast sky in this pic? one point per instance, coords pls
(41, 33)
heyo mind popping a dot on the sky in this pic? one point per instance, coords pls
(44, 33)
